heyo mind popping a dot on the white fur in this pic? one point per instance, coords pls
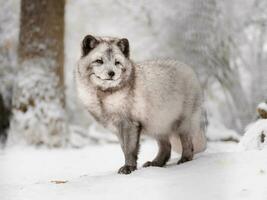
(164, 91)
(161, 93)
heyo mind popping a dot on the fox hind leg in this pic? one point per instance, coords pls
(163, 155)
(187, 148)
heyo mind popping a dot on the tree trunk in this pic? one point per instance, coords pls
(8, 46)
(42, 32)
(38, 100)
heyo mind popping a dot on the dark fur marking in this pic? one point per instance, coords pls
(109, 53)
(196, 103)
(124, 46)
(110, 42)
(88, 44)
(177, 123)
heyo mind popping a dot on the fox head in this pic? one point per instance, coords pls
(105, 62)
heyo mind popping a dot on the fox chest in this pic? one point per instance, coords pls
(115, 104)
(109, 109)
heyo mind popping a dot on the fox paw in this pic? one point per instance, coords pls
(126, 169)
(184, 159)
(153, 164)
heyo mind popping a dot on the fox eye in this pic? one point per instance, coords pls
(117, 62)
(99, 61)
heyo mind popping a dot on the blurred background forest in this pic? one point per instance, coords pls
(224, 41)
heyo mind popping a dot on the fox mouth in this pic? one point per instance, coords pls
(106, 79)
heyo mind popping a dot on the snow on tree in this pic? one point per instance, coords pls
(38, 100)
(225, 41)
(217, 132)
(254, 50)
(8, 44)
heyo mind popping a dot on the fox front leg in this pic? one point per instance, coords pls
(129, 135)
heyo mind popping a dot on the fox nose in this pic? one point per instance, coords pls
(111, 74)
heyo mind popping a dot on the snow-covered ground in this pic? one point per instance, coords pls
(90, 173)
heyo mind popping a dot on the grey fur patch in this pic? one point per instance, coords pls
(109, 53)
(177, 123)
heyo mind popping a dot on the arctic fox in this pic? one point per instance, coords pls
(160, 98)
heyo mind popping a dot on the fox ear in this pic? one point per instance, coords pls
(123, 44)
(89, 42)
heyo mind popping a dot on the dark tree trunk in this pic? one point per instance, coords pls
(42, 32)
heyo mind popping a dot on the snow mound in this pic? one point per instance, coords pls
(218, 132)
(263, 106)
(255, 136)
(90, 173)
